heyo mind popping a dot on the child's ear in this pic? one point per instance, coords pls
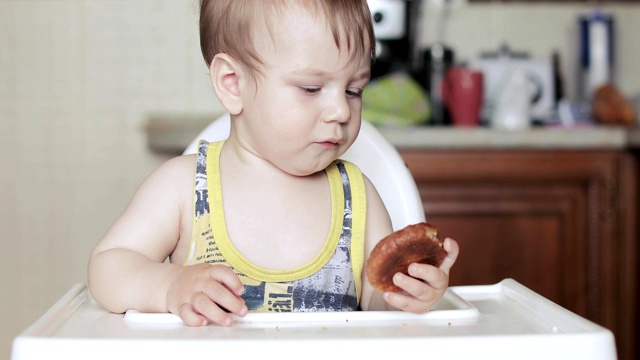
(225, 75)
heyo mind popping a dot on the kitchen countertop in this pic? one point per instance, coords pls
(172, 134)
(534, 138)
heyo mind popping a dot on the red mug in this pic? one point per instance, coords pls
(462, 93)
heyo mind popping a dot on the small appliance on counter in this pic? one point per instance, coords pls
(394, 26)
(432, 65)
(511, 106)
(437, 60)
(596, 51)
(506, 68)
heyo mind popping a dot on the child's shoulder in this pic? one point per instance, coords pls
(182, 162)
(178, 170)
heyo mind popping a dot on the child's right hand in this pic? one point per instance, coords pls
(205, 293)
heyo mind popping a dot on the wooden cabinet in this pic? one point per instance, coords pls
(562, 223)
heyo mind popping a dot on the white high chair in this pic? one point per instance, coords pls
(77, 328)
(375, 157)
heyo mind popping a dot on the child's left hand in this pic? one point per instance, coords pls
(426, 284)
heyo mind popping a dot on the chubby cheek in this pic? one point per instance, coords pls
(294, 129)
(353, 128)
(283, 123)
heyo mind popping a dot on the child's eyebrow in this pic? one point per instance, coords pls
(307, 71)
(363, 75)
(310, 72)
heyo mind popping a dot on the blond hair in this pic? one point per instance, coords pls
(228, 26)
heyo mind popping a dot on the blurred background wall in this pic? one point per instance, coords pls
(80, 78)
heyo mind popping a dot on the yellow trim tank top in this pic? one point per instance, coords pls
(330, 282)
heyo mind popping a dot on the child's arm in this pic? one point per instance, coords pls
(426, 285)
(127, 269)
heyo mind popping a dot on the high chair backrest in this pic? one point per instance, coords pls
(376, 158)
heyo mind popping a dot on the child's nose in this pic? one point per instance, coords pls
(338, 110)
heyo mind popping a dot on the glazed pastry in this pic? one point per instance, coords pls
(417, 243)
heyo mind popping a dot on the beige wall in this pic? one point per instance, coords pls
(78, 79)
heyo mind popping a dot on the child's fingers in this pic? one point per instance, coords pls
(211, 305)
(211, 310)
(408, 303)
(228, 278)
(423, 288)
(452, 249)
(218, 296)
(189, 317)
(205, 293)
(425, 285)
(425, 282)
(427, 275)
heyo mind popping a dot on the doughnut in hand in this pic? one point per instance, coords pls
(417, 243)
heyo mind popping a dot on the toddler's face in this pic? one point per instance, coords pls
(304, 111)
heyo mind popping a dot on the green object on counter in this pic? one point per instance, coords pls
(395, 100)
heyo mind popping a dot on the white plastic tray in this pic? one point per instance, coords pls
(451, 309)
(501, 321)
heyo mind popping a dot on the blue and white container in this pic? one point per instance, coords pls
(596, 51)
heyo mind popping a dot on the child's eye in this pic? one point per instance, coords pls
(309, 89)
(354, 92)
